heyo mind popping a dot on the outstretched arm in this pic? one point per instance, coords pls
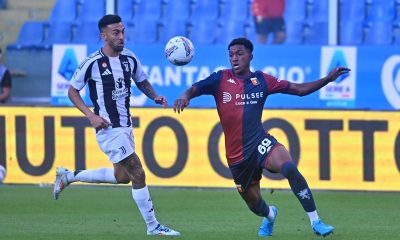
(183, 100)
(149, 91)
(302, 89)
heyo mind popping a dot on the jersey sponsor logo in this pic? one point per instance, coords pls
(119, 83)
(226, 97)
(106, 72)
(120, 93)
(230, 80)
(390, 80)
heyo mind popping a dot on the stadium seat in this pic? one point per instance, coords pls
(92, 10)
(295, 10)
(203, 31)
(319, 11)
(294, 32)
(316, 33)
(381, 10)
(64, 11)
(141, 32)
(148, 10)
(58, 32)
(205, 9)
(236, 10)
(379, 33)
(3, 4)
(352, 10)
(30, 36)
(125, 9)
(230, 30)
(86, 33)
(176, 10)
(351, 32)
(172, 28)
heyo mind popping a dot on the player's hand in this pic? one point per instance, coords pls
(337, 72)
(98, 122)
(180, 104)
(161, 100)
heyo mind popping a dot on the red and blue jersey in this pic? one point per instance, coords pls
(240, 103)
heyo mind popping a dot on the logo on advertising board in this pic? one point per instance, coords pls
(390, 78)
(342, 92)
(65, 60)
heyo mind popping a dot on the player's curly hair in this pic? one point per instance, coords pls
(107, 20)
(242, 41)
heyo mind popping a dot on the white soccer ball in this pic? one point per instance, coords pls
(3, 173)
(179, 51)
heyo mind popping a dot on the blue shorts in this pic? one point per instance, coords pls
(250, 170)
(270, 26)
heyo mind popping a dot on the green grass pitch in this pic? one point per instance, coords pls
(83, 212)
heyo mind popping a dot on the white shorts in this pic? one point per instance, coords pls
(117, 143)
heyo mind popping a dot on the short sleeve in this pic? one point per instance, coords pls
(275, 85)
(209, 85)
(81, 74)
(139, 75)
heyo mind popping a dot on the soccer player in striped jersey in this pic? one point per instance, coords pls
(240, 96)
(109, 73)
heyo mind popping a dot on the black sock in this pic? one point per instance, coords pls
(299, 186)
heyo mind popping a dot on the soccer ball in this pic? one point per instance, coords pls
(2, 173)
(179, 51)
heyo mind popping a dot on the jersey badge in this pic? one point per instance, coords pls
(254, 81)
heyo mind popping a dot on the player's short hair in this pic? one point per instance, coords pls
(107, 20)
(242, 41)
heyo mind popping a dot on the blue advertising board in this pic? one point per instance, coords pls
(373, 84)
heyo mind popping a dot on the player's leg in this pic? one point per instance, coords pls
(279, 29)
(64, 177)
(280, 161)
(255, 202)
(140, 193)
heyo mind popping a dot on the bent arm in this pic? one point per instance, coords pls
(303, 89)
(77, 100)
(146, 88)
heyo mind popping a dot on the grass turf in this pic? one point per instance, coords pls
(82, 212)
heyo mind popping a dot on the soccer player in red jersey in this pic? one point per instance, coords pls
(240, 96)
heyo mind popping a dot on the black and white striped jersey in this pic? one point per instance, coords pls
(109, 80)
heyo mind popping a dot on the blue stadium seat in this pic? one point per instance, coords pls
(176, 10)
(30, 36)
(351, 32)
(229, 30)
(381, 10)
(172, 28)
(58, 32)
(64, 11)
(236, 10)
(319, 11)
(379, 33)
(141, 32)
(3, 4)
(125, 9)
(92, 10)
(316, 33)
(352, 10)
(86, 33)
(205, 9)
(294, 32)
(203, 31)
(295, 10)
(148, 10)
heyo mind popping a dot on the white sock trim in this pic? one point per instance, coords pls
(313, 216)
